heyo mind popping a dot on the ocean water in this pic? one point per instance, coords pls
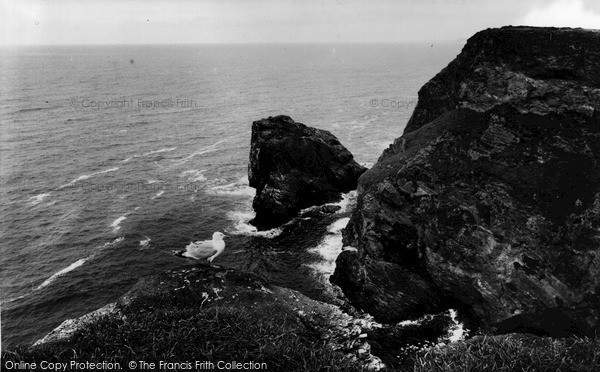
(111, 157)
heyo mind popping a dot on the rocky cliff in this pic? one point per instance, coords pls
(293, 166)
(490, 201)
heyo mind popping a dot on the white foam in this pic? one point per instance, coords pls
(348, 200)
(158, 194)
(329, 248)
(204, 150)
(338, 225)
(166, 149)
(62, 272)
(150, 182)
(234, 190)
(237, 188)
(194, 175)
(457, 331)
(405, 323)
(8, 300)
(114, 242)
(35, 200)
(115, 224)
(127, 160)
(86, 176)
(242, 227)
(145, 242)
(76, 264)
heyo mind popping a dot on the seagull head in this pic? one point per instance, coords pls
(218, 235)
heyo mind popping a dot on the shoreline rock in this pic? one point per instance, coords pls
(491, 197)
(293, 166)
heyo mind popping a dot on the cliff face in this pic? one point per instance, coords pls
(293, 167)
(491, 198)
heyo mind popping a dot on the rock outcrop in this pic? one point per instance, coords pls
(293, 167)
(187, 294)
(491, 198)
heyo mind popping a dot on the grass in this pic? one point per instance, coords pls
(214, 334)
(169, 329)
(511, 354)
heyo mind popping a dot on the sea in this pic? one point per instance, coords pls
(113, 157)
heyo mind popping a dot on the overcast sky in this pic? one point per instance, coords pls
(264, 21)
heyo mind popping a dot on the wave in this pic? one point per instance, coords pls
(153, 152)
(166, 149)
(338, 225)
(8, 300)
(348, 200)
(457, 331)
(116, 223)
(86, 176)
(75, 265)
(158, 194)
(184, 160)
(114, 242)
(62, 272)
(35, 200)
(329, 248)
(237, 188)
(241, 218)
(194, 175)
(204, 150)
(241, 226)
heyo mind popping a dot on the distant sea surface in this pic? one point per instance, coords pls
(111, 157)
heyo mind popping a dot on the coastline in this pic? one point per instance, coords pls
(416, 242)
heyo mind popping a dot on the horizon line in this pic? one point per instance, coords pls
(258, 43)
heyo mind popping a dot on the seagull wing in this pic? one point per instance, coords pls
(200, 250)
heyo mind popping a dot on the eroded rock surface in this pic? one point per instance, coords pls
(293, 166)
(491, 198)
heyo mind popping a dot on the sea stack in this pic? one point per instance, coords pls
(491, 198)
(293, 166)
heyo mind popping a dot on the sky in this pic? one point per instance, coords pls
(49, 22)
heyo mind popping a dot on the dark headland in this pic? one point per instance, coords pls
(488, 204)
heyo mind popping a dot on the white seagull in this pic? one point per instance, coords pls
(206, 249)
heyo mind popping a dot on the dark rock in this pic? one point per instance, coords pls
(537, 70)
(368, 286)
(491, 198)
(293, 167)
(321, 210)
(396, 343)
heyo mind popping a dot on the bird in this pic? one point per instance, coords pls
(206, 249)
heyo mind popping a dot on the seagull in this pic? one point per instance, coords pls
(206, 249)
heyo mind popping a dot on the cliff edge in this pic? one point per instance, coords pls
(490, 201)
